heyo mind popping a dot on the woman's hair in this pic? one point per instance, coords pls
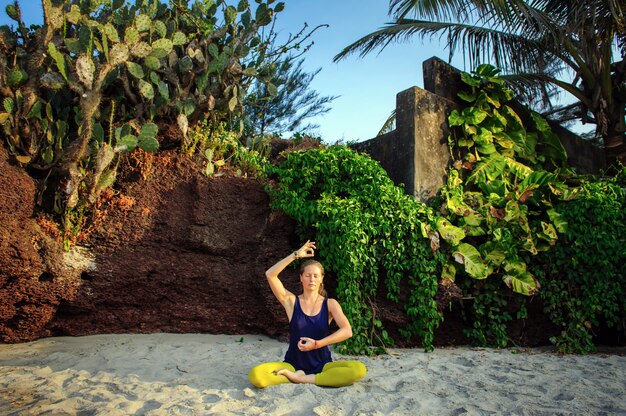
(307, 263)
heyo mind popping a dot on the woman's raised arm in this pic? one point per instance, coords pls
(284, 296)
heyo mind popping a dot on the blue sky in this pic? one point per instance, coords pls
(366, 87)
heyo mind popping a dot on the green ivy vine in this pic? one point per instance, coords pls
(369, 231)
(584, 284)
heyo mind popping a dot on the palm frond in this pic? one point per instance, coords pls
(510, 51)
(389, 125)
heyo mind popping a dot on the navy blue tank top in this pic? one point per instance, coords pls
(315, 327)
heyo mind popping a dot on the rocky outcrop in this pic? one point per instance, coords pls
(178, 252)
(35, 274)
(168, 250)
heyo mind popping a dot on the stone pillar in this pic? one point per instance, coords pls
(422, 130)
(442, 79)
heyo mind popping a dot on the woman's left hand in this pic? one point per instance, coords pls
(307, 344)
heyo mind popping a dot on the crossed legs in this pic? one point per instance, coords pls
(334, 374)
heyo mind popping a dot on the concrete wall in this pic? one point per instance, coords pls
(416, 153)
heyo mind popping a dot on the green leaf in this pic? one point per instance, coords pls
(448, 271)
(119, 54)
(488, 168)
(148, 130)
(160, 28)
(127, 143)
(486, 70)
(143, 23)
(186, 64)
(188, 107)
(455, 119)
(163, 90)
(58, 59)
(152, 62)
(161, 47)
(242, 6)
(218, 64)
(98, 132)
(452, 234)
(149, 144)
(210, 169)
(135, 70)
(110, 32)
(213, 50)
(493, 253)
(475, 266)
(131, 35)
(467, 96)
(73, 16)
(35, 110)
(230, 15)
(520, 280)
(251, 72)
(232, 103)
(520, 170)
(8, 104)
(17, 77)
(145, 88)
(559, 221)
(470, 80)
(473, 115)
(553, 148)
(264, 15)
(179, 38)
(48, 155)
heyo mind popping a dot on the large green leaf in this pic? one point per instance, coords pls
(520, 170)
(473, 115)
(558, 220)
(553, 148)
(519, 279)
(470, 258)
(127, 143)
(489, 168)
(452, 234)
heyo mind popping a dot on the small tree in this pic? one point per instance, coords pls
(284, 105)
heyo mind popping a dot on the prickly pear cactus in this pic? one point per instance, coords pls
(100, 75)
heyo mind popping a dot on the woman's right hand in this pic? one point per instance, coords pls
(307, 250)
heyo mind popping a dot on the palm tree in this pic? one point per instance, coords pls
(572, 45)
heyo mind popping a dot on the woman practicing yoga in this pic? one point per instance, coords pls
(308, 358)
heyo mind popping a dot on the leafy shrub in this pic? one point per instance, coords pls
(584, 283)
(367, 229)
(498, 201)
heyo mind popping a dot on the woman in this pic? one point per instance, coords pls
(308, 358)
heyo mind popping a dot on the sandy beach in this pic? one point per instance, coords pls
(174, 374)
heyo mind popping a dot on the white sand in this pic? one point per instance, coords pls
(172, 374)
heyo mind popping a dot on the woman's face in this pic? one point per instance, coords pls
(311, 278)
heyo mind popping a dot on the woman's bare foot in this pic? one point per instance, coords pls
(297, 376)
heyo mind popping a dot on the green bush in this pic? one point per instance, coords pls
(583, 277)
(369, 231)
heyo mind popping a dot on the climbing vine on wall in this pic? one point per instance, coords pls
(368, 231)
(499, 199)
(584, 284)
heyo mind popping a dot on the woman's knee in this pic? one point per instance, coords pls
(256, 378)
(360, 370)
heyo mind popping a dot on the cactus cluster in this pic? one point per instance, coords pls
(98, 77)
